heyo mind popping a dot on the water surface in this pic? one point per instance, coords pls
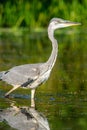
(63, 98)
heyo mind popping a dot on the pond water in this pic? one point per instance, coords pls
(63, 98)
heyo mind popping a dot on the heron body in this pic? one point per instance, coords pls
(32, 75)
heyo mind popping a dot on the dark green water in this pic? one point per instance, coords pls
(63, 98)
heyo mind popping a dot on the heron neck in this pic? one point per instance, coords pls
(52, 59)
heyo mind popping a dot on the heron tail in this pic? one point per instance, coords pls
(1, 74)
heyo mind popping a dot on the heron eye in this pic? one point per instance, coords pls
(56, 22)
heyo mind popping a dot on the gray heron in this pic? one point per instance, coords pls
(33, 75)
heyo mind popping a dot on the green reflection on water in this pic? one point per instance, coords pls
(63, 98)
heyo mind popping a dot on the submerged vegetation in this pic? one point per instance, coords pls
(21, 13)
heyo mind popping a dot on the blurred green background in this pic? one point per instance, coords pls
(37, 13)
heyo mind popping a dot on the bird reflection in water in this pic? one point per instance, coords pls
(24, 118)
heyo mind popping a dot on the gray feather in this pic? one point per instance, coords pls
(2, 73)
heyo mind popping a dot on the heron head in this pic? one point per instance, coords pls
(56, 23)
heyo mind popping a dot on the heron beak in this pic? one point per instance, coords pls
(69, 23)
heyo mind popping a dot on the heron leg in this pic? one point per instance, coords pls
(32, 98)
(15, 87)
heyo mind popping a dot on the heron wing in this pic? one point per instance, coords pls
(22, 75)
(28, 71)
